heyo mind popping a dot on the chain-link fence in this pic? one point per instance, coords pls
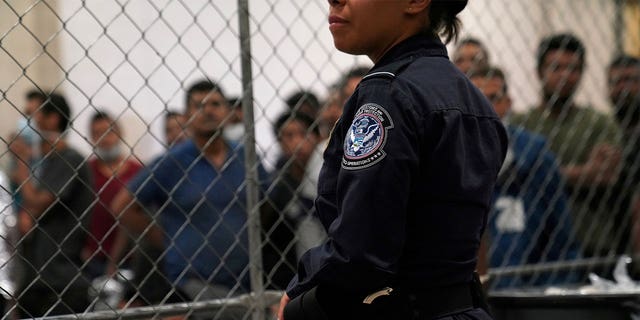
(173, 172)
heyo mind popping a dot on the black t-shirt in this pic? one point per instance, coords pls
(54, 246)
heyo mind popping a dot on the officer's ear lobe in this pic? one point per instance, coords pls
(417, 6)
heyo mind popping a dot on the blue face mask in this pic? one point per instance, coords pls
(27, 132)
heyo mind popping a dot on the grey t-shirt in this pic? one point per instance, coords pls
(53, 250)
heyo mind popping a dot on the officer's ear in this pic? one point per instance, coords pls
(417, 6)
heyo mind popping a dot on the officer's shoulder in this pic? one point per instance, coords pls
(380, 75)
(388, 72)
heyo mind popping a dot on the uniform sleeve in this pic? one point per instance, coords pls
(380, 161)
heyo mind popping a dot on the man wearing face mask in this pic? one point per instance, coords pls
(58, 199)
(27, 139)
(111, 171)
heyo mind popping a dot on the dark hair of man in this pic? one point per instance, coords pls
(36, 94)
(624, 61)
(57, 104)
(301, 97)
(564, 42)
(170, 115)
(488, 73)
(102, 115)
(235, 102)
(443, 19)
(474, 42)
(308, 122)
(355, 72)
(203, 86)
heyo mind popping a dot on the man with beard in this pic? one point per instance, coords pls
(586, 142)
(199, 188)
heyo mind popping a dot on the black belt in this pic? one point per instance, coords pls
(425, 304)
(438, 302)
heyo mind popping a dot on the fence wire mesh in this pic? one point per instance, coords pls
(160, 157)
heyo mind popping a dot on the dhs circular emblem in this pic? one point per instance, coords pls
(364, 142)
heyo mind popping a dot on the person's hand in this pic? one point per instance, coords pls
(601, 168)
(20, 149)
(283, 303)
(25, 222)
(111, 269)
(603, 163)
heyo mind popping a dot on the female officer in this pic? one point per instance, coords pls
(407, 177)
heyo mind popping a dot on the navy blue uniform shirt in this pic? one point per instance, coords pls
(407, 178)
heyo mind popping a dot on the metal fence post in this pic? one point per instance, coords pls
(255, 255)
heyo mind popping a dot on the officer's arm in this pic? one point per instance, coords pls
(380, 164)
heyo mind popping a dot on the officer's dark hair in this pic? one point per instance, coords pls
(623, 61)
(306, 120)
(491, 72)
(57, 104)
(205, 85)
(443, 19)
(564, 42)
(36, 94)
(300, 97)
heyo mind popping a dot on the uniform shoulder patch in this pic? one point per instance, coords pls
(366, 137)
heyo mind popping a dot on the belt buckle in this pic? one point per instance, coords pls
(383, 292)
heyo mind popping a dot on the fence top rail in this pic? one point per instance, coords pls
(246, 300)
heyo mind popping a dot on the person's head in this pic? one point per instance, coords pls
(371, 27)
(339, 93)
(351, 79)
(174, 127)
(207, 108)
(298, 136)
(303, 101)
(105, 137)
(53, 117)
(470, 54)
(623, 76)
(33, 100)
(492, 82)
(236, 105)
(560, 64)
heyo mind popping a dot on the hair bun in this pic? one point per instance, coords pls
(455, 5)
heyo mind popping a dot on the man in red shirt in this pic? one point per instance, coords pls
(111, 171)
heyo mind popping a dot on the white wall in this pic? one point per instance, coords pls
(136, 61)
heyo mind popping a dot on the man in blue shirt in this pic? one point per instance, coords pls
(198, 188)
(531, 221)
